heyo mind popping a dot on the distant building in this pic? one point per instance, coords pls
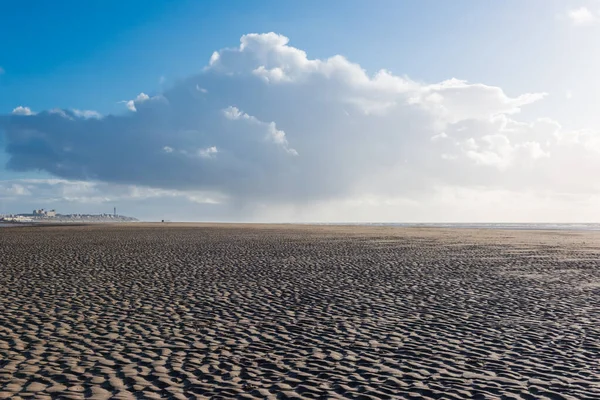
(44, 213)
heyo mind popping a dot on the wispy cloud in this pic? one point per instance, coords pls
(86, 113)
(582, 16)
(47, 191)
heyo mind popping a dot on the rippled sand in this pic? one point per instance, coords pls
(196, 311)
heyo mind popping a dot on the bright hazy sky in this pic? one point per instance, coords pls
(309, 111)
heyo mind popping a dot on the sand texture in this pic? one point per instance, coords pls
(203, 311)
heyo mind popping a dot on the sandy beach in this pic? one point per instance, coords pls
(283, 311)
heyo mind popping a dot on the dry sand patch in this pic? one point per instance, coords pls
(255, 311)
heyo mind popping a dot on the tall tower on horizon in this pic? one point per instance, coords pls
(115, 211)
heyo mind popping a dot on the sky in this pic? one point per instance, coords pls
(337, 111)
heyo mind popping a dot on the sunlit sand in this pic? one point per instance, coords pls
(260, 311)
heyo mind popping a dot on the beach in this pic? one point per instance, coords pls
(298, 311)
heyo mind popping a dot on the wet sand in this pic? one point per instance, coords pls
(265, 311)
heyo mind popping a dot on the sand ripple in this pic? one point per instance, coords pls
(195, 312)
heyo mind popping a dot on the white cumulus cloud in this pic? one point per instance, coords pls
(20, 110)
(263, 126)
(131, 104)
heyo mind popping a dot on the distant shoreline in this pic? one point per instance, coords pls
(575, 227)
(346, 227)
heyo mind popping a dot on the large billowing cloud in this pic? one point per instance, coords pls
(265, 124)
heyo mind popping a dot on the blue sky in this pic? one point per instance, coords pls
(96, 55)
(90, 54)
